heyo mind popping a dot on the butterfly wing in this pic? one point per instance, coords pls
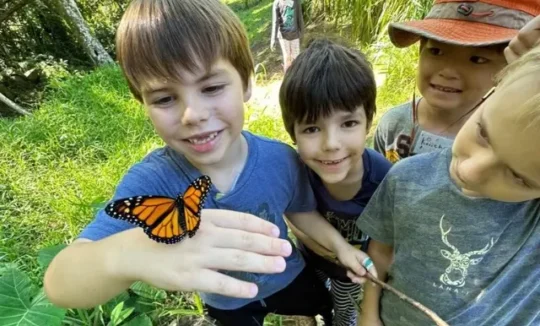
(193, 203)
(157, 215)
(165, 219)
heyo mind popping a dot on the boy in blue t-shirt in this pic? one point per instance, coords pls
(190, 64)
(459, 230)
(328, 102)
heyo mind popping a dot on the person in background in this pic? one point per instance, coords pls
(288, 28)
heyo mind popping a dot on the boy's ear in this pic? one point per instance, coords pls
(247, 92)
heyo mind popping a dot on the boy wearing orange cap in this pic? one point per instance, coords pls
(462, 47)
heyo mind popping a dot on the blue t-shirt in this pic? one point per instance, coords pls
(343, 214)
(473, 261)
(273, 182)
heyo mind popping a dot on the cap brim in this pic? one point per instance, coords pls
(457, 32)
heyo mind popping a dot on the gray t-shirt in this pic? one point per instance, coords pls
(472, 261)
(397, 136)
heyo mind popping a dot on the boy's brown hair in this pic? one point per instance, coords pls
(324, 78)
(157, 39)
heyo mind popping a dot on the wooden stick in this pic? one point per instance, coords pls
(438, 321)
(12, 105)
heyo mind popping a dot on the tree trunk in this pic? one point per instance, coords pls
(93, 48)
(12, 105)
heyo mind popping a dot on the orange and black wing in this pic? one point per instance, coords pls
(157, 215)
(193, 203)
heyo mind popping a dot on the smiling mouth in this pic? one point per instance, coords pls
(330, 163)
(445, 89)
(206, 138)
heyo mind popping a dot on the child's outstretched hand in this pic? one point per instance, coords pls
(356, 261)
(226, 240)
(527, 38)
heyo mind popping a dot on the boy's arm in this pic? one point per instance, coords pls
(382, 256)
(316, 228)
(226, 240)
(92, 268)
(300, 16)
(378, 141)
(310, 243)
(274, 26)
(322, 232)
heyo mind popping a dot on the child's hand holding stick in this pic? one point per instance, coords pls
(438, 321)
(368, 275)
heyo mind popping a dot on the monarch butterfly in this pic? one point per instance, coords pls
(165, 219)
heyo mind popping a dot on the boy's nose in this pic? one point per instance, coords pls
(478, 168)
(331, 143)
(194, 113)
(449, 73)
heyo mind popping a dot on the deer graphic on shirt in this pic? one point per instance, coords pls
(457, 272)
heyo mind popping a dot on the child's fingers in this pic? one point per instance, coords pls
(238, 220)
(516, 48)
(369, 266)
(215, 282)
(527, 38)
(355, 278)
(239, 260)
(510, 55)
(254, 242)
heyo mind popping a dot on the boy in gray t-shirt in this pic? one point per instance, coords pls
(459, 230)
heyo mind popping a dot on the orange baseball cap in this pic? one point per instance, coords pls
(467, 22)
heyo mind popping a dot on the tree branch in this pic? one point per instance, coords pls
(13, 106)
(428, 312)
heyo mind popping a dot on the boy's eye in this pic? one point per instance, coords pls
(482, 135)
(479, 60)
(519, 179)
(310, 130)
(213, 89)
(435, 51)
(163, 100)
(350, 123)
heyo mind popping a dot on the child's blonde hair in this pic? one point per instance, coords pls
(526, 66)
(156, 39)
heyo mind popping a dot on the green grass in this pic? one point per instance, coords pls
(59, 164)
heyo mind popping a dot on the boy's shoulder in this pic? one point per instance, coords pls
(157, 161)
(422, 167)
(270, 148)
(378, 165)
(161, 172)
(396, 115)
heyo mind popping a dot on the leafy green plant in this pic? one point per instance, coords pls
(368, 19)
(21, 303)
